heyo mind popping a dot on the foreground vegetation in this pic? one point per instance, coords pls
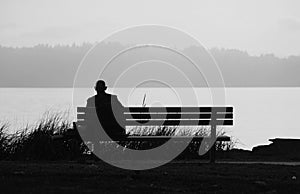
(36, 142)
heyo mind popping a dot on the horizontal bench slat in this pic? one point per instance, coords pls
(178, 109)
(170, 122)
(169, 116)
(81, 109)
(81, 123)
(176, 122)
(177, 116)
(168, 109)
(166, 138)
(81, 116)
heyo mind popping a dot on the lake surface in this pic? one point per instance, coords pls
(260, 113)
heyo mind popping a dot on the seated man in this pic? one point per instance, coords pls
(109, 111)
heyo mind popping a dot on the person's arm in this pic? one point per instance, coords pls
(91, 116)
(118, 110)
(119, 103)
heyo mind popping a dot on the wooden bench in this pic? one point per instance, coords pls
(171, 116)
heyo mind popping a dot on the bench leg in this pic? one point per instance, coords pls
(213, 153)
(213, 135)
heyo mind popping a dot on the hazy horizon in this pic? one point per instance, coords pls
(258, 27)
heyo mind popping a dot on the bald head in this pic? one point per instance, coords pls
(100, 86)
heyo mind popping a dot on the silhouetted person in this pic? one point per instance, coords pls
(109, 111)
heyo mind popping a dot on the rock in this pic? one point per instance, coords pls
(19, 172)
(261, 183)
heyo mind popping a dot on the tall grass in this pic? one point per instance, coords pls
(4, 139)
(36, 142)
(191, 150)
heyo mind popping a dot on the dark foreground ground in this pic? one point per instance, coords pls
(175, 177)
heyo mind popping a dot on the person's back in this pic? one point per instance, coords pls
(109, 111)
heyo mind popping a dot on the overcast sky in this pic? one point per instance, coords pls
(257, 26)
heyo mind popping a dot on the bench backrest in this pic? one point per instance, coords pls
(171, 116)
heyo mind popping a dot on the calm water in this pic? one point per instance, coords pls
(260, 113)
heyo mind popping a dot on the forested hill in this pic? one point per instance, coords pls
(47, 66)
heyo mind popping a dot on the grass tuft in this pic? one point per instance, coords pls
(36, 142)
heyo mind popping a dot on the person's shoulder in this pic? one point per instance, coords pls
(114, 97)
(110, 95)
(91, 98)
(91, 101)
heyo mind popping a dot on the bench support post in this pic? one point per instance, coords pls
(213, 141)
(213, 136)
